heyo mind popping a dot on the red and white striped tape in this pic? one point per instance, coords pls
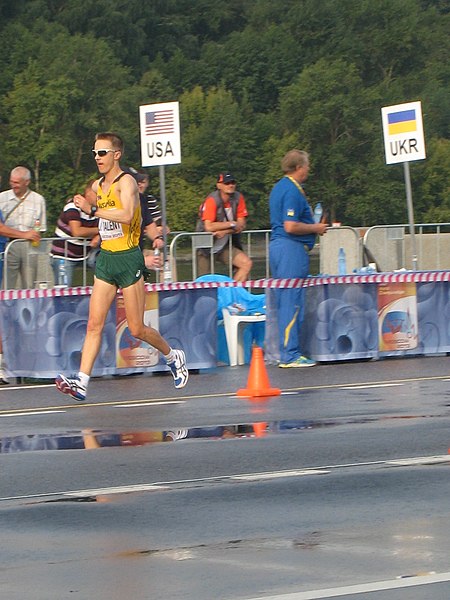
(380, 278)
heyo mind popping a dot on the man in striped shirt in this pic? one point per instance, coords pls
(73, 222)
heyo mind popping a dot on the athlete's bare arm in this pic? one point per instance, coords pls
(128, 193)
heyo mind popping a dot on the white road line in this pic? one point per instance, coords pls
(419, 460)
(363, 588)
(124, 489)
(27, 414)
(8, 388)
(243, 477)
(149, 403)
(370, 385)
(278, 475)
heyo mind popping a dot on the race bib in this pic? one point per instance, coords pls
(109, 230)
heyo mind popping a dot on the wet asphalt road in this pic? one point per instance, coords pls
(339, 487)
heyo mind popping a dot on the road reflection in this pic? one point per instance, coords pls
(89, 439)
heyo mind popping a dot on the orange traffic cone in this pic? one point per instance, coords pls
(260, 429)
(258, 381)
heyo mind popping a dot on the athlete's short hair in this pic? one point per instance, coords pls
(114, 138)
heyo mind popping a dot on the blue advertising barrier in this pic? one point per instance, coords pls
(43, 332)
(347, 317)
(370, 316)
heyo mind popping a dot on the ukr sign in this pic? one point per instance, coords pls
(403, 132)
(160, 134)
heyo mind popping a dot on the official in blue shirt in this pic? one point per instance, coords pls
(293, 235)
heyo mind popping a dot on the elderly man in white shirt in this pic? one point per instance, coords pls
(22, 209)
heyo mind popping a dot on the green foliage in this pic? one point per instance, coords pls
(182, 201)
(434, 184)
(254, 79)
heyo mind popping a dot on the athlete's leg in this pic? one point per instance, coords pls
(102, 297)
(134, 301)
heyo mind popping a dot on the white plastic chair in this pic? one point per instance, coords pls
(234, 332)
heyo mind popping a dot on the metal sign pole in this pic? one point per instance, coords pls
(409, 203)
(160, 146)
(167, 276)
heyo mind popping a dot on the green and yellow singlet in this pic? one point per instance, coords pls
(117, 236)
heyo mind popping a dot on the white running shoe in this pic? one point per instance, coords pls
(71, 386)
(3, 378)
(178, 369)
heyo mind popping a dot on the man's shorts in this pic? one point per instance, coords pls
(122, 268)
(204, 260)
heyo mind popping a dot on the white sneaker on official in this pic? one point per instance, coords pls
(3, 378)
(178, 369)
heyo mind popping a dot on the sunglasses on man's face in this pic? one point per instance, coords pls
(101, 153)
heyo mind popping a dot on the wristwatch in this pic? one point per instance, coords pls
(233, 225)
(93, 211)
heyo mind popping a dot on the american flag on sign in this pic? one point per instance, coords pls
(159, 121)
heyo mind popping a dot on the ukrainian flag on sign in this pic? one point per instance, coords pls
(402, 121)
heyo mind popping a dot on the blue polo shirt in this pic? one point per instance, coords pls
(288, 203)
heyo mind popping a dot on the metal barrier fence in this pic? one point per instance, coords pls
(391, 247)
(184, 247)
(387, 245)
(35, 264)
(182, 259)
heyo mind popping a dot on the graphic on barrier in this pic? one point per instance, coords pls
(341, 322)
(43, 331)
(131, 352)
(397, 316)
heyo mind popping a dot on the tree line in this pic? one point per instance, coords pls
(254, 78)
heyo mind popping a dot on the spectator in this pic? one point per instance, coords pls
(5, 233)
(150, 206)
(293, 236)
(8, 232)
(149, 229)
(72, 222)
(24, 210)
(223, 213)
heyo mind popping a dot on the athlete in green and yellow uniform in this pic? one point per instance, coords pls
(120, 261)
(120, 264)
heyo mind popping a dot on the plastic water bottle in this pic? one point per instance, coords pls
(36, 227)
(167, 276)
(157, 252)
(318, 212)
(62, 274)
(342, 262)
